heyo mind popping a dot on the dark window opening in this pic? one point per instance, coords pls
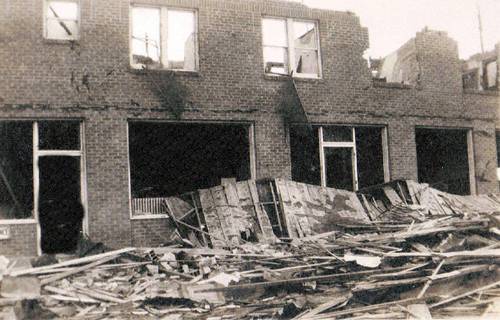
(442, 158)
(16, 170)
(339, 168)
(170, 159)
(370, 156)
(59, 135)
(304, 152)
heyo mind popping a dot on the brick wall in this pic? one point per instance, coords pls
(45, 79)
(22, 241)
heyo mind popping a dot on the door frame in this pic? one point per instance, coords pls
(37, 154)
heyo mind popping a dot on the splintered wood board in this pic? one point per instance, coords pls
(266, 229)
(212, 219)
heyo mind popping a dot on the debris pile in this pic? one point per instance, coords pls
(285, 250)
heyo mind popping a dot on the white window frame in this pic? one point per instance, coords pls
(348, 145)
(291, 47)
(164, 36)
(46, 18)
(352, 145)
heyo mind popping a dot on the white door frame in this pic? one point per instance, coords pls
(37, 153)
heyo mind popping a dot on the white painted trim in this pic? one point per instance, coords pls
(322, 157)
(331, 144)
(472, 162)
(253, 151)
(36, 188)
(64, 153)
(354, 159)
(385, 155)
(131, 214)
(17, 221)
(83, 181)
(149, 217)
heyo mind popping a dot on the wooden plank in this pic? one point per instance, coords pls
(212, 219)
(440, 303)
(334, 315)
(284, 199)
(265, 226)
(72, 262)
(77, 270)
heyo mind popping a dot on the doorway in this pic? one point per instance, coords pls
(59, 177)
(60, 209)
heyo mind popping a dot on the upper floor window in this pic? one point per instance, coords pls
(61, 19)
(291, 46)
(164, 38)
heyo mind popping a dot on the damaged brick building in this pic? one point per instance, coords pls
(107, 104)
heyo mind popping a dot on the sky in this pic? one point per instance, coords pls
(393, 22)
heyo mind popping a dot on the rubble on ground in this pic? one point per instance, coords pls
(396, 251)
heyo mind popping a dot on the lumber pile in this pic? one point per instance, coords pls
(401, 255)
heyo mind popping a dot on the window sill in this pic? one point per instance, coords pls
(482, 92)
(60, 42)
(186, 73)
(17, 221)
(393, 85)
(283, 77)
(150, 217)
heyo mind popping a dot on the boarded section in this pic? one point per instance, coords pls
(309, 210)
(233, 214)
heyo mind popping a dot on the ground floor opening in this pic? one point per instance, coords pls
(41, 174)
(443, 159)
(343, 157)
(174, 158)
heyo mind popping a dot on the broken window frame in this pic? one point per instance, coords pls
(46, 19)
(485, 78)
(351, 145)
(163, 26)
(37, 154)
(289, 29)
(251, 150)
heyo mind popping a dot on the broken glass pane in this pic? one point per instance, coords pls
(181, 44)
(275, 60)
(274, 32)
(304, 35)
(62, 10)
(59, 135)
(306, 61)
(16, 170)
(337, 134)
(146, 37)
(491, 74)
(62, 20)
(62, 29)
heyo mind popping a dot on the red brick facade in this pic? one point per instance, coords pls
(39, 78)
